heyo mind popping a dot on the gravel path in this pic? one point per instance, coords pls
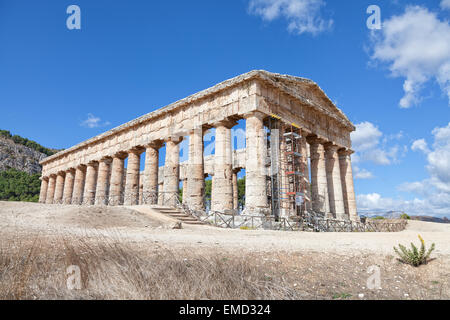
(142, 224)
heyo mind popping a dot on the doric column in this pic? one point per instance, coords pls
(283, 178)
(59, 188)
(91, 182)
(319, 184)
(150, 179)
(348, 189)
(117, 172)
(222, 180)
(44, 187)
(51, 189)
(172, 172)
(255, 155)
(235, 190)
(132, 180)
(195, 183)
(78, 188)
(334, 181)
(68, 186)
(305, 154)
(104, 172)
(160, 193)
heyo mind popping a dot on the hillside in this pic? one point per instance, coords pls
(19, 167)
(21, 154)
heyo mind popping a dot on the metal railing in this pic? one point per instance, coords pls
(313, 224)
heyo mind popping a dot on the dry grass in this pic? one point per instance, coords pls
(113, 270)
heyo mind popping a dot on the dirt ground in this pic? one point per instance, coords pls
(314, 265)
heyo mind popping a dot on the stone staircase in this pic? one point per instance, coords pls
(178, 214)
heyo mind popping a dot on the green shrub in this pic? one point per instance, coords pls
(414, 257)
(404, 216)
(16, 185)
(378, 218)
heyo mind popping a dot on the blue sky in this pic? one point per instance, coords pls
(60, 86)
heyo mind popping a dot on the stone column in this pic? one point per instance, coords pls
(222, 180)
(348, 189)
(172, 172)
(91, 182)
(51, 189)
(150, 182)
(132, 179)
(160, 194)
(102, 191)
(334, 181)
(68, 186)
(305, 154)
(195, 184)
(235, 190)
(59, 188)
(80, 175)
(255, 184)
(43, 192)
(283, 179)
(117, 171)
(319, 184)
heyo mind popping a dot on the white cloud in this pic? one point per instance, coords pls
(445, 4)
(93, 122)
(416, 46)
(303, 16)
(420, 145)
(435, 190)
(366, 141)
(374, 202)
(362, 173)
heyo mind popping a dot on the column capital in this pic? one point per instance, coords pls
(61, 173)
(106, 159)
(120, 155)
(344, 152)
(52, 175)
(92, 163)
(331, 147)
(257, 114)
(157, 144)
(313, 139)
(174, 139)
(136, 150)
(70, 170)
(81, 167)
(227, 123)
(44, 178)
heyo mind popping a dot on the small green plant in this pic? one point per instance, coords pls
(404, 216)
(342, 295)
(379, 218)
(414, 257)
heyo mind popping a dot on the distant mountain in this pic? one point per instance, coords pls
(398, 214)
(386, 215)
(431, 219)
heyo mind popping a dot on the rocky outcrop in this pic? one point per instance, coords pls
(19, 157)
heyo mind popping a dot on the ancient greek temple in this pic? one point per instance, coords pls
(296, 157)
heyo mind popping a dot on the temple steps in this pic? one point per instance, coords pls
(178, 215)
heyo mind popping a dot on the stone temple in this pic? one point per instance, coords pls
(296, 157)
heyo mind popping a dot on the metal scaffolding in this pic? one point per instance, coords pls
(287, 181)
